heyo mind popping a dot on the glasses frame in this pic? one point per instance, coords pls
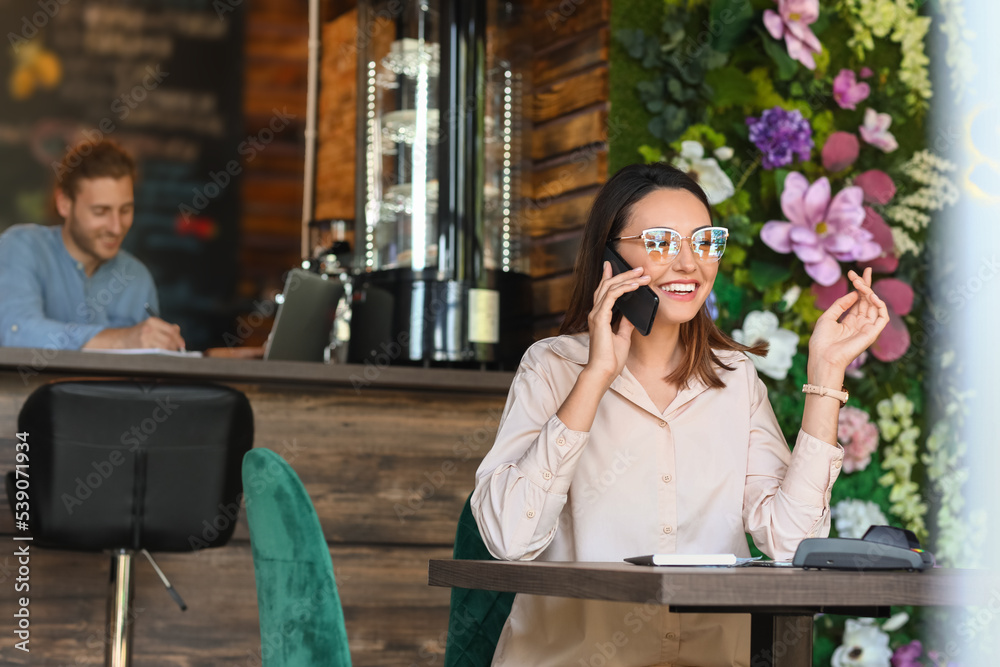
(674, 232)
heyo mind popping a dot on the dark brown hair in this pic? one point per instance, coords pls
(609, 215)
(89, 160)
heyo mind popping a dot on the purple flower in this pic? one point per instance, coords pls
(822, 230)
(712, 306)
(847, 91)
(780, 135)
(908, 654)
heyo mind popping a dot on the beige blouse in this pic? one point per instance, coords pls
(693, 479)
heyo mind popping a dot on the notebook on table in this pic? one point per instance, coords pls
(689, 560)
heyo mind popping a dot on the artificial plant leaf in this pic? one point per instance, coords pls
(650, 154)
(731, 87)
(634, 41)
(764, 274)
(787, 66)
(733, 20)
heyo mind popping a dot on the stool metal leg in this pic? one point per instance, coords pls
(119, 647)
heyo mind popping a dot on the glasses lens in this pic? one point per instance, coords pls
(664, 241)
(709, 244)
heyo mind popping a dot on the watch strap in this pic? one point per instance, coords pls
(841, 395)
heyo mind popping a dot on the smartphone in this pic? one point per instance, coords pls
(639, 305)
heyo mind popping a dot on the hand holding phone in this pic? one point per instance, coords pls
(639, 305)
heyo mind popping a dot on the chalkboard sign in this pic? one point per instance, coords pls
(164, 79)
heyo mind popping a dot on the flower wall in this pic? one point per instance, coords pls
(807, 125)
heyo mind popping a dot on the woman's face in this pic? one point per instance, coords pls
(684, 282)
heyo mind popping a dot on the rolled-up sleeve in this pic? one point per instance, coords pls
(787, 494)
(522, 484)
(22, 313)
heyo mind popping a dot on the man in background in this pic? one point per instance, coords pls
(72, 286)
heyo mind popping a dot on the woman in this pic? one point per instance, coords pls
(614, 444)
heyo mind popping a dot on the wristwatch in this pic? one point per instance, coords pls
(841, 395)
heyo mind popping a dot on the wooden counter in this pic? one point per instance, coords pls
(388, 456)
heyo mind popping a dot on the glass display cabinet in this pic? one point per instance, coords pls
(440, 260)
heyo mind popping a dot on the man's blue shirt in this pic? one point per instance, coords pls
(47, 301)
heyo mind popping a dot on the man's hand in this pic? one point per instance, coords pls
(150, 333)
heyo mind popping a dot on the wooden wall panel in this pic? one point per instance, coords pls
(569, 143)
(556, 19)
(588, 50)
(337, 119)
(561, 213)
(276, 51)
(563, 135)
(570, 94)
(585, 168)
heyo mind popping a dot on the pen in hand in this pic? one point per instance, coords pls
(152, 313)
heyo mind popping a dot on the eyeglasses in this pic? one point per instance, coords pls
(708, 243)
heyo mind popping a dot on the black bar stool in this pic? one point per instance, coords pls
(132, 465)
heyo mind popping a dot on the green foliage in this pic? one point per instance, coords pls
(728, 22)
(765, 274)
(731, 87)
(701, 133)
(627, 118)
(786, 67)
(704, 91)
(650, 154)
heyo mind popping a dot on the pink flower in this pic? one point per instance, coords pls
(847, 91)
(821, 231)
(875, 131)
(908, 654)
(879, 189)
(894, 340)
(859, 437)
(865, 72)
(840, 151)
(877, 185)
(886, 262)
(792, 22)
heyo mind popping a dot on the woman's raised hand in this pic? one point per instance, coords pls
(849, 326)
(608, 349)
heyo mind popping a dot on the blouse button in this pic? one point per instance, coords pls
(531, 514)
(13, 327)
(561, 441)
(837, 464)
(671, 636)
(666, 479)
(662, 424)
(668, 530)
(546, 474)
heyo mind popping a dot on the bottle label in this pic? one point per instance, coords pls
(484, 316)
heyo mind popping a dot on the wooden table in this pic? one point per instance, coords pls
(781, 601)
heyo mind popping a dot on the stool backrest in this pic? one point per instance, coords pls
(134, 464)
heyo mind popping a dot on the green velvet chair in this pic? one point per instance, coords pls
(301, 620)
(477, 617)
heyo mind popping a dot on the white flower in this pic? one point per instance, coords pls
(763, 326)
(723, 153)
(896, 621)
(865, 645)
(706, 171)
(791, 296)
(853, 517)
